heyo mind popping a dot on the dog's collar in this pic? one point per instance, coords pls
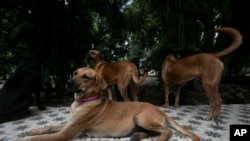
(85, 99)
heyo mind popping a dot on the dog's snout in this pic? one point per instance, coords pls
(70, 83)
(89, 57)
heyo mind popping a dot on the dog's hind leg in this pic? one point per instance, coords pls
(136, 90)
(218, 102)
(162, 133)
(164, 78)
(166, 92)
(155, 124)
(209, 90)
(165, 134)
(137, 136)
(217, 94)
(124, 91)
(177, 95)
(211, 86)
(218, 106)
(110, 92)
(123, 84)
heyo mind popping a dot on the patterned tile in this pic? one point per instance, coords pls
(188, 116)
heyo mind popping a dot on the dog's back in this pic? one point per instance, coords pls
(112, 72)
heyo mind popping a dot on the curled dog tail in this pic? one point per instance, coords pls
(182, 129)
(135, 76)
(236, 40)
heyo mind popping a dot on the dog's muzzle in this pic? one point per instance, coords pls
(71, 84)
(89, 57)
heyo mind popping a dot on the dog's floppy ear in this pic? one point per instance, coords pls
(100, 84)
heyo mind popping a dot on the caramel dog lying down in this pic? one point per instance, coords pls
(123, 73)
(97, 116)
(204, 66)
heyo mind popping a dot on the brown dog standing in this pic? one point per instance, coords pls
(96, 116)
(122, 73)
(204, 66)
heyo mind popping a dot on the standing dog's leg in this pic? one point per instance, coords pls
(219, 101)
(110, 92)
(177, 95)
(217, 94)
(209, 90)
(123, 84)
(165, 84)
(134, 90)
(166, 92)
(210, 81)
(216, 101)
(124, 91)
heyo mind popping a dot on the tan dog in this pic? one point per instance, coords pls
(96, 116)
(122, 73)
(204, 66)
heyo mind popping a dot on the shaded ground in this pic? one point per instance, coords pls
(193, 94)
(190, 94)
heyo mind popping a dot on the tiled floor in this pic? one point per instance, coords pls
(188, 116)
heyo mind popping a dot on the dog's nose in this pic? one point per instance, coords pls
(70, 83)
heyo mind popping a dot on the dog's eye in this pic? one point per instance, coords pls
(85, 76)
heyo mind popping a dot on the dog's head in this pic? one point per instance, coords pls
(95, 54)
(86, 82)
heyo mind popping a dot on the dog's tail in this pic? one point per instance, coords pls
(182, 129)
(135, 76)
(236, 40)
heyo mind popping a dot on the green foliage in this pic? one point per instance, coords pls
(125, 29)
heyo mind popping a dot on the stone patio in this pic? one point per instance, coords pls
(190, 116)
